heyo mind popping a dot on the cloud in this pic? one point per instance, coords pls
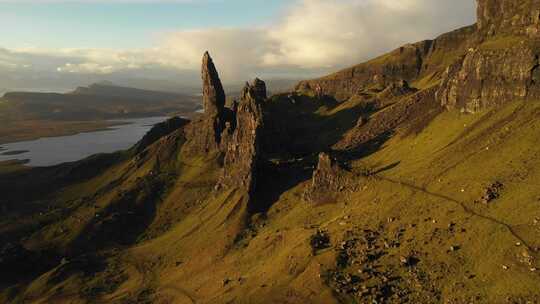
(319, 35)
(310, 38)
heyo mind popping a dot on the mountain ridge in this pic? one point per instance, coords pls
(408, 179)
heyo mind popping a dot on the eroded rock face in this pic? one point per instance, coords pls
(326, 181)
(403, 64)
(509, 16)
(407, 63)
(396, 89)
(488, 77)
(241, 144)
(503, 65)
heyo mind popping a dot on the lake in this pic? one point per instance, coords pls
(50, 151)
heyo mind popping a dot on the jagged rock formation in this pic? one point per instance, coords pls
(409, 63)
(509, 16)
(404, 63)
(241, 144)
(413, 109)
(490, 63)
(231, 132)
(213, 93)
(502, 66)
(488, 77)
(204, 134)
(327, 179)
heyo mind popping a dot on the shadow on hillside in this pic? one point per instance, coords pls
(295, 132)
(295, 126)
(387, 168)
(366, 149)
(274, 179)
(126, 219)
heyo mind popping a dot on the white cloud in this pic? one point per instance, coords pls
(321, 34)
(312, 35)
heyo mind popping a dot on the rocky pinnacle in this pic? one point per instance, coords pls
(213, 94)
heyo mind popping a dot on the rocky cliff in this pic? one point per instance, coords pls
(231, 132)
(241, 142)
(408, 63)
(484, 65)
(493, 73)
(509, 17)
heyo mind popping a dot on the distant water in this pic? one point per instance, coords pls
(50, 151)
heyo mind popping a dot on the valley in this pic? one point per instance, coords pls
(29, 116)
(410, 178)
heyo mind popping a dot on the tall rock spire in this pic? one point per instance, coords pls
(204, 134)
(213, 93)
(242, 148)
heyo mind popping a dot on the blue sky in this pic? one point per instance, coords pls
(120, 25)
(55, 44)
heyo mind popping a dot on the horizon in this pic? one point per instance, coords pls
(57, 45)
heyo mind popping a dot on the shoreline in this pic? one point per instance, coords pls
(20, 131)
(32, 130)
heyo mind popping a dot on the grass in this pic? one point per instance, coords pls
(14, 131)
(193, 257)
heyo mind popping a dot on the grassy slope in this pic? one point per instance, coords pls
(421, 197)
(189, 248)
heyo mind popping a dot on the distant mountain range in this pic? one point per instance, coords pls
(98, 101)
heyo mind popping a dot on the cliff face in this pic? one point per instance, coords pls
(491, 76)
(503, 64)
(484, 65)
(407, 63)
(241, 142)
(404, 63)
(509, 16)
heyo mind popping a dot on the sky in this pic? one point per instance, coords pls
(57, 44)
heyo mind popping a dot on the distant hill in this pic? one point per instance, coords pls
(97, 101)
(108, 89)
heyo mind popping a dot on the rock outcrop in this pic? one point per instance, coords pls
(502, 66)
(213, 93)
(231, 132)
(158, 131)
(241, 141)
(509, 17)
(204, 134)
(327, 180)
(411, 110)
(396, 89)
(408, 63)
(491, 76)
